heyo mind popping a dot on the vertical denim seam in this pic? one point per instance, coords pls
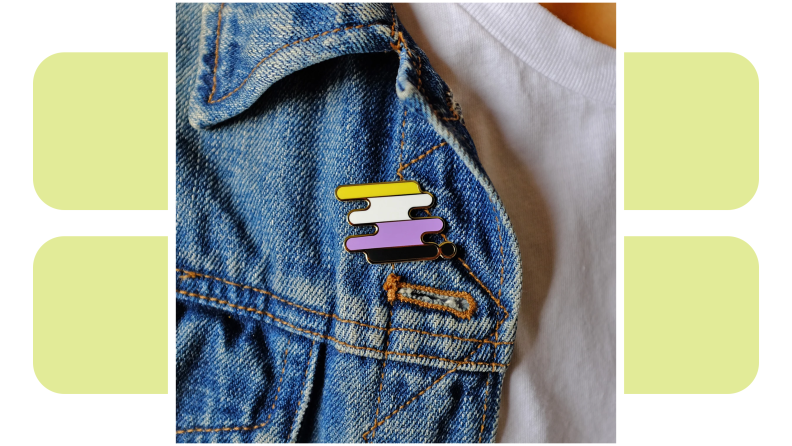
(217, 52)
(382, 376)
(302, 389)
(500, 290)
(484, 413)
(401, 145)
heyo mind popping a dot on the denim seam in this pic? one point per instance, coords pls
(330, 338)
(421, 393)
(401, 145)
(193, 275)
(247, 428)
(296, 42)
(302, 388)
(497, 301)
(418, 158)
(484, 413)
(500, 289)
(500, 238)
(382, 375)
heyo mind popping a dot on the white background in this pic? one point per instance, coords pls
(31, 31)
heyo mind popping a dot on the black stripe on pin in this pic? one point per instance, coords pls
(428, 251)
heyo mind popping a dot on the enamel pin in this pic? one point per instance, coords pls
(399, 237)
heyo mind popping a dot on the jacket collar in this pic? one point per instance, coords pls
(245, 48)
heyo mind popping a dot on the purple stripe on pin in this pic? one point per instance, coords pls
(396, 233)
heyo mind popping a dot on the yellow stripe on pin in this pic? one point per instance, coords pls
(363, 191)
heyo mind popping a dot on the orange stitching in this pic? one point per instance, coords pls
(494, 332)
(382, 376)
(393, 283)
(247, 428)
(411, 400)
(451, 107)
(500, 288)
(307, 39)
(484, 415)
(419, 158)
(380, 423)
(500, 238)
(302, 386)
(330, 338)
(193, 275)
(283, 372)
(217, 52)
(401, 147)
(497, 301)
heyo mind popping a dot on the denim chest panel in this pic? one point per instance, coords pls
(282, 335)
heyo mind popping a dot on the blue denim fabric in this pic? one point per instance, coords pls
(282, 335)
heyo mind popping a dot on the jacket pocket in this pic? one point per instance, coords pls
(238, 379)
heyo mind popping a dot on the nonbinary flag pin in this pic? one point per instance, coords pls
(399, 237)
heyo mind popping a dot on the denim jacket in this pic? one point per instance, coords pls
(282, 334)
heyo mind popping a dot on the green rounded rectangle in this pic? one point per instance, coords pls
(100, 315)
(691, 131)
(691, 315)
(100, 131)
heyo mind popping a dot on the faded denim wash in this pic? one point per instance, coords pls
(282, 335)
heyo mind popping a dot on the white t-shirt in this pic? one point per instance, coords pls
(539, 100)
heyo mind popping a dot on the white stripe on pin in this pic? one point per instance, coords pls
(394, 208)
